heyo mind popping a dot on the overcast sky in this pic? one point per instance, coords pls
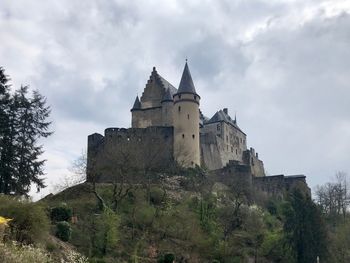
(283, 66)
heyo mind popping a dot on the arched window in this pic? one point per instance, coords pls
(179, 108)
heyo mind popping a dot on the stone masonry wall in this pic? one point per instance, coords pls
(130, 149)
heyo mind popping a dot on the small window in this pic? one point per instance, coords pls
(188, 116)
(218, 127)
(180, 96)
(226, 138)
(183, 135)
(236, 152)
(179, 108)
(231, 149)
(193, 136)
(195, 97)
(227, 147)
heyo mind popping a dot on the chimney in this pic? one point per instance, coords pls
(226, 111)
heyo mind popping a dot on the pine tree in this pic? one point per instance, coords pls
(6, 135)
(304, 228)
(23, 123)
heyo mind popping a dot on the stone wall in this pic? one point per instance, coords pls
(251, 158)
(131, 149)
(144, 118)
(230, 143)
(279, 185)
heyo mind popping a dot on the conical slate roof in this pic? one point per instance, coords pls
(167, 95)
(137, 104)
(186, 83)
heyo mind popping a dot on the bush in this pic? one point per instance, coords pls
(29, 224)
(167, 258)
(13, 253)
(156, 196)
(63, 231)
(61, 213)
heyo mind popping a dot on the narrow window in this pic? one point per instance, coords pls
(193, 136)
(227, 147)
(236, 152)
(188, 116)
(195, 97)
(179, 108)
(183, 135)
(180, 96)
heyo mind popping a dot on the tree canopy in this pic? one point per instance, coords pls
(23, 122)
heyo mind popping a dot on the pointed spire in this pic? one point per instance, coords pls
(167, 96)
(137, 104)
(186, 83)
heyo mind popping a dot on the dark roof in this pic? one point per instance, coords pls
(168, 96)
(186, 83)
(221, 116)
(137, 104)
(167, 85)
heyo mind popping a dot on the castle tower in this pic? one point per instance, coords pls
(134, 111)
(167, 109)
(186, 122)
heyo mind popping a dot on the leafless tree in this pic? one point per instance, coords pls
(334, 197)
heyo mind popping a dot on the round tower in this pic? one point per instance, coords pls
(167, 108)
(186, 122)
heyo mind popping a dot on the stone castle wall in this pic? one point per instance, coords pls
(131, 149)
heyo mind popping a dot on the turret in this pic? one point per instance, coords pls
(167, 108)
(135, 111)
(186, 122)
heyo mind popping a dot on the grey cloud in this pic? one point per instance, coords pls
(288, 79)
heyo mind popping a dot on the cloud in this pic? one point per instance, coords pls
(282, 65)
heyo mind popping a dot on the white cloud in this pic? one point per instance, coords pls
(282, 65)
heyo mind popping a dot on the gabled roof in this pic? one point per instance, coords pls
(221, 116)
(186, 83)
(168, 96)
(137, 104)
(167, 85)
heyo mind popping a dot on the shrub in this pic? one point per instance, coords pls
(29, 223)
(14, 253)
(156, 196)
(61, 213)
(167, 258)
(63, 231)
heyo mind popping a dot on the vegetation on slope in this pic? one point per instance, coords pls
(190, 218)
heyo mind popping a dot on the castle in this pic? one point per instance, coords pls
(167, 126)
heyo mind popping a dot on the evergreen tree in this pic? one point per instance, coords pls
(23, 123)
(304, 228)
(6, 135)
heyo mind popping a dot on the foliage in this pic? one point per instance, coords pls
(105, 233)
(61, 213)
(22, 124)
(304, 228)
(30, 223)
(63, 231)
(167, 258)
(15, 253)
